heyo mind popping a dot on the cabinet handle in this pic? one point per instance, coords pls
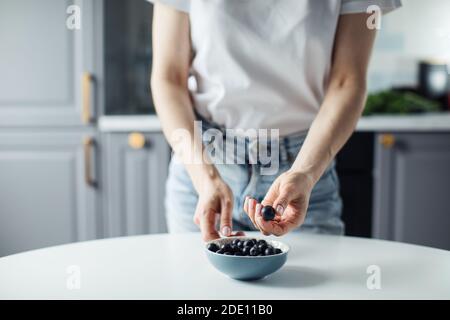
(387, 140)
(88, 144)
(136, 140)
(86, 115)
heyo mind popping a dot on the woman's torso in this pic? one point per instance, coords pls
(261, 63)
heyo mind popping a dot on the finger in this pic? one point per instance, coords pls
(238, 234)
(207, 225)
(277, 217)
(284, 227)
(290, 221)
(226, 216)
(252, 207)
(246, 204)
(282, 201)
(196, 220)
(271, 195)
(258, 209)
(251, 211)
(198, 214)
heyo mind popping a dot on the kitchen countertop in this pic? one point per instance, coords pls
(431, 122)
(141, 123)
(175, 267)
(380, 123)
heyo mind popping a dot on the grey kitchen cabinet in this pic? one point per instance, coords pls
(48, 190)
(136, 167)
(51, 92)
(50, 73)
(412, 184)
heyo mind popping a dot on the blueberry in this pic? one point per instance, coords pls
(238, 253)
(220, 251)
(254, 251)
(269, 251)
(228, 253)
(260, 242)
(246, 251)
(241, 244)
(261, 254)
(249, 243)
(213, 247)
(226, 247)
(236, 242)
(268, 213)
(262, 247)
(277, 251)
(234, 248)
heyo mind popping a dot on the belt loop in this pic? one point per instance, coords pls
(247, 151)
(287, 145)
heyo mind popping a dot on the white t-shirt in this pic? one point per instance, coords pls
(264, 63)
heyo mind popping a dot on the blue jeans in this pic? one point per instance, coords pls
(325, 205)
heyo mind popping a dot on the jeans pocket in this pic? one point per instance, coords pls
(326, 187)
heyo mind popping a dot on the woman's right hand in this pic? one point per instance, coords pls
(215, 199)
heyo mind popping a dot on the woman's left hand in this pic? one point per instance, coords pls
(289, 195)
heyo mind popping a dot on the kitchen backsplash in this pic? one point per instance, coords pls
(407, 37)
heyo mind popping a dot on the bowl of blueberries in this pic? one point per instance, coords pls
(245, 258)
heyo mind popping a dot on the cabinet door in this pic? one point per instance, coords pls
(43, 62)
(44, 198)
(135, 183)
(412, 202)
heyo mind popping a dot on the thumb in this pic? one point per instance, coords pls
(282, 201)
(271, 195)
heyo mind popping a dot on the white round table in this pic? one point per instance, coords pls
(175, 267)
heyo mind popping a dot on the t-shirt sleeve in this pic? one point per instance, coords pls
(181, 5)
(359, 6)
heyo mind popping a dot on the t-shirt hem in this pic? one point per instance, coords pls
(360, 6)
(180, 5)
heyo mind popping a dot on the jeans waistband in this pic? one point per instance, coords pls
(245, 146)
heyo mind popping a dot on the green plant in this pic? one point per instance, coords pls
(393, 102)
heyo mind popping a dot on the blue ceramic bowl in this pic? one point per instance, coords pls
(246, 267)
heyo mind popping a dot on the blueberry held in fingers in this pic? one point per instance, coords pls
(268, 213)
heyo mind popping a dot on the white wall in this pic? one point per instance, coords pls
(418, 30)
